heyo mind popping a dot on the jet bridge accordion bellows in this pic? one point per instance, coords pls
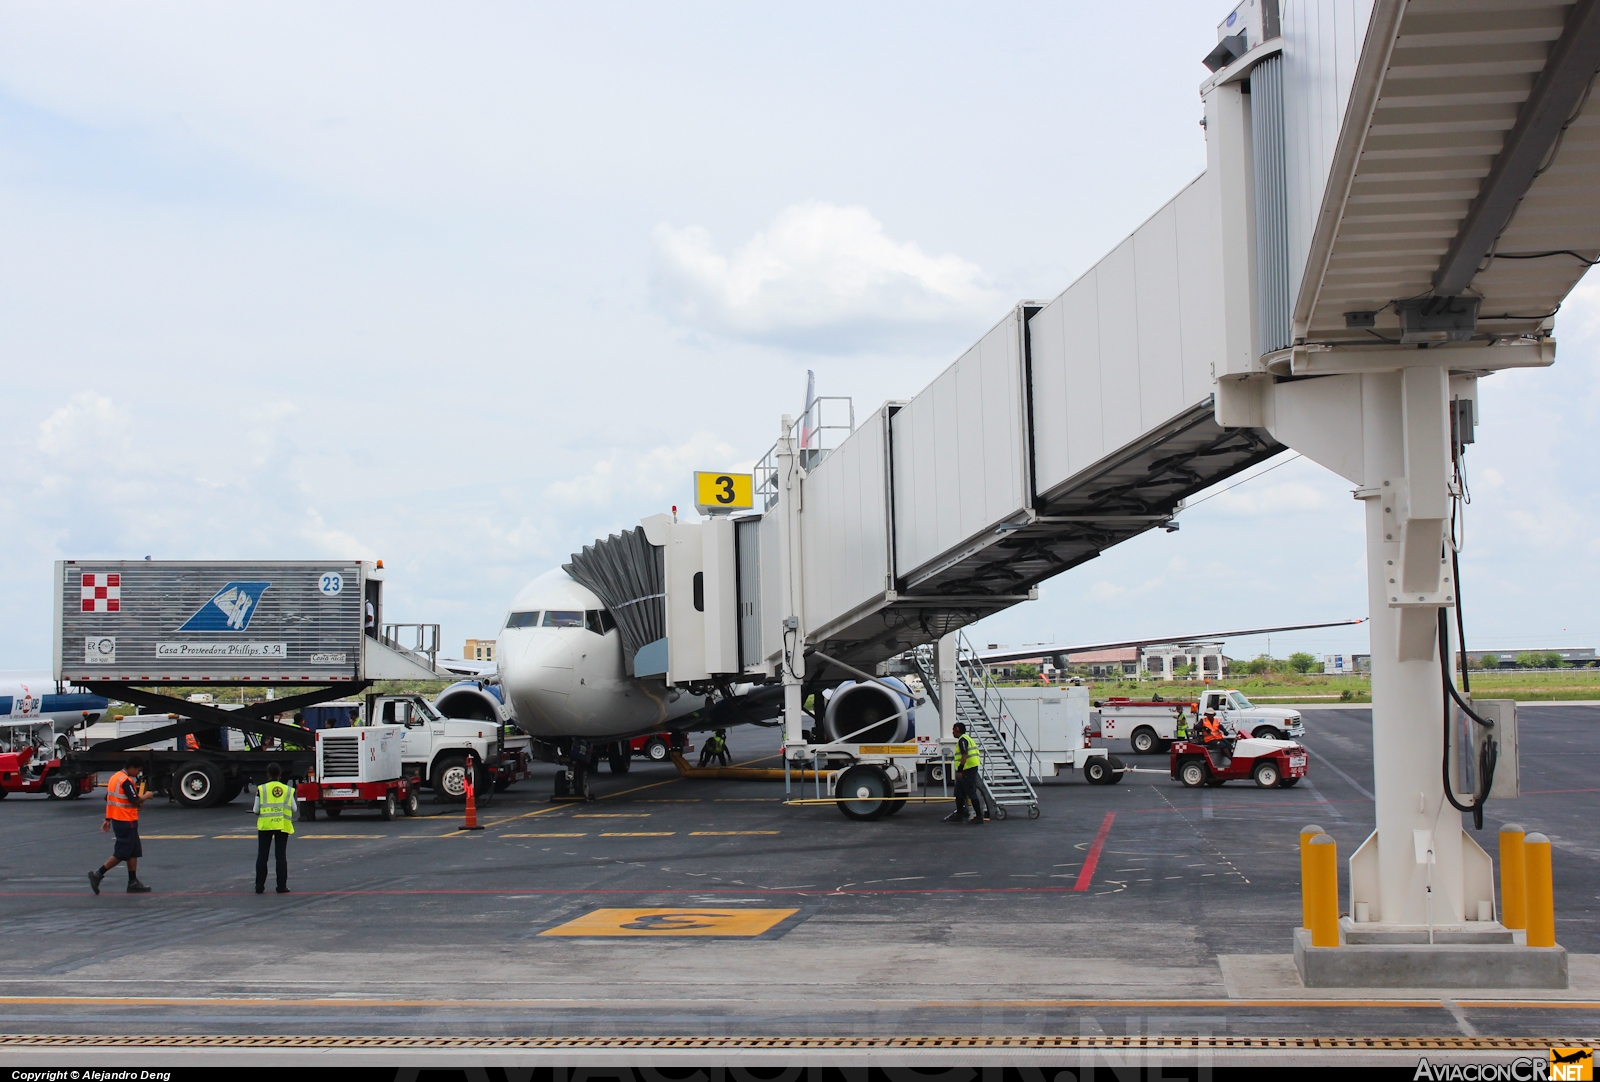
(629, 575)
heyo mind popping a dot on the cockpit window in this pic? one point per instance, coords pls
(558, 618)
(607, 621)
(591, 620)
(523, 619)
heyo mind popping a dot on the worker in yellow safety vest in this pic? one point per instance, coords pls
(967, 759)
(122, 816)
(276, 810)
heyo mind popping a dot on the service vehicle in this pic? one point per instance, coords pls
(128, 630)
(359, 766)
(1149, 724)
(1269, 763)
(658, 747)
(1055, 726)
(434, 749)
(29, 762)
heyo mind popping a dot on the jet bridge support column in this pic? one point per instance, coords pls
(1389, 432)
(792, 658)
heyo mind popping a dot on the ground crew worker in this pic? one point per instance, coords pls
(122, 817)
(967, 760)
(716, 747)
(276, 810)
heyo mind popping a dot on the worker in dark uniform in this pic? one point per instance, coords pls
(122, 816)
(276, 810)
(967, 759)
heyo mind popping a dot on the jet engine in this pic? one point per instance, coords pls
(863, 713)
(472, 700)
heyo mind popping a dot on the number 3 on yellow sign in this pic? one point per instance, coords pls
(720, 492)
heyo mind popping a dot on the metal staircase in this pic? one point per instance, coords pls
(980, 707)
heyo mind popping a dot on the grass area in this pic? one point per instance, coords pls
(1289, 688)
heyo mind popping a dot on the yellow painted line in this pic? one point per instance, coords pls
(708, 921)
(725, 833)
(639, 834)
(175, 837)
(242, 1001)
(613, 815)
(544, 835)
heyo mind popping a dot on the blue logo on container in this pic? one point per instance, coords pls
(230, 609)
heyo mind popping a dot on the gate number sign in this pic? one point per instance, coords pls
(715, 493)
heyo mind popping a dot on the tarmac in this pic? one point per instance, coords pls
(1139, 912)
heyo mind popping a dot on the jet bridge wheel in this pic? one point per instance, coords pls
(864, 789)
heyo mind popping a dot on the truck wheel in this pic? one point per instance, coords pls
(450, 779)
(62, 788)
(333, 810)
(620, 758)
(1144, 740)
(936, 772)
(412, 804)
(1096, 771)
(1267, 775)
(1192, 773)
(1267, 732)
(657, 750)
(388, 807)
(197, 784)
(864, 788)
(1117, 769)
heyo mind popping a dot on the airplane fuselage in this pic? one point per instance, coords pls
(559, 656)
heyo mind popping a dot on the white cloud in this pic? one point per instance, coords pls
(819, 274)
(644, 477)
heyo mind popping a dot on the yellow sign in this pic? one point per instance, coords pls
(718, 492)
(888, 749)
(674, 922)
(1572, 1064)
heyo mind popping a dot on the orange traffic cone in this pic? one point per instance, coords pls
(472, 800)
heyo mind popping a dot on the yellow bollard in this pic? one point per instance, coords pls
(1513, 878)
(1306, 834)
(1321, 891)
(1540, 891)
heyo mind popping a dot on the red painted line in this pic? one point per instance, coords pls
(814, 892)
(1087, 874)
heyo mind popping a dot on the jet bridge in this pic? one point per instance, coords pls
(1398, 196)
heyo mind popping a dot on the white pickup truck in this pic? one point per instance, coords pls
(435, 748)
(1148, 724)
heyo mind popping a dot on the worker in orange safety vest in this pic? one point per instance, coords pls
(122, 817)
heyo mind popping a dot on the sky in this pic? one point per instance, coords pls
(465, 287)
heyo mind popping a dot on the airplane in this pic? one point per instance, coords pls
(35, 696)
(561, 678)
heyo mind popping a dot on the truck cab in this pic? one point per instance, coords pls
(436, 748)
(1247, 719)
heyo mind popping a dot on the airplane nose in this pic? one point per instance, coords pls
(540, 678)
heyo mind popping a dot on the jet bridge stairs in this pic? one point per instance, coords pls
(980, 708)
